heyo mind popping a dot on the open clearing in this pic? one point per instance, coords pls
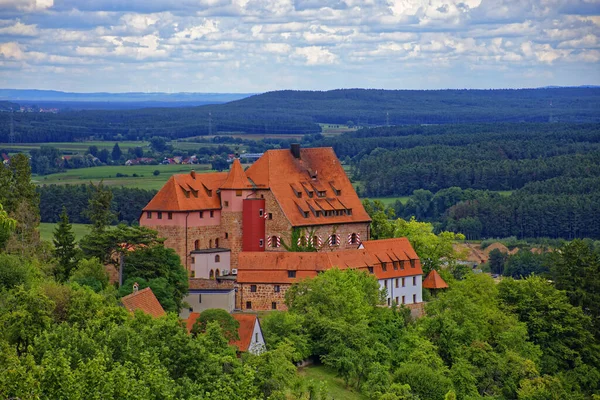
(334, 384)
(47, 230)
(72, 147)
(145, 178)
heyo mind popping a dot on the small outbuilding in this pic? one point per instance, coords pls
(434, 281)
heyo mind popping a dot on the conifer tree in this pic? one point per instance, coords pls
(64, 247)
(116, 152)
(99, 207)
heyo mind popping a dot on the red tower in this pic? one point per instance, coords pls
(253, 225)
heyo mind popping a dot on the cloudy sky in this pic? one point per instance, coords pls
(260, 45)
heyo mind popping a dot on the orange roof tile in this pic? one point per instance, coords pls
(434, 281)
(143, 300)
(189, 192)
(247, 323)
(273, 267)
(283, 174)
(236, 179)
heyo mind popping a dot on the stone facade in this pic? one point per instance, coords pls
(263, 298)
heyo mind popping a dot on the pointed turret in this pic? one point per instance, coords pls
(434, 281)
(237, 178)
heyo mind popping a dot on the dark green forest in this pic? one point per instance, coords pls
(293, 112)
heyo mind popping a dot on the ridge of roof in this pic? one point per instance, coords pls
(143, 300)
(247, 323)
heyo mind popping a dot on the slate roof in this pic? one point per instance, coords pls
(273, 267)
(143, 300)
(434, 281)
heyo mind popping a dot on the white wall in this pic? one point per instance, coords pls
(203, 300)
(410, 291)
(257, 346)
(204, 262)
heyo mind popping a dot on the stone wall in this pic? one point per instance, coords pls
(263, 298)
(231, 223)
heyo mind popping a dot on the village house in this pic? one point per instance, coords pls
(143, 300)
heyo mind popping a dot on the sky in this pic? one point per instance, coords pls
(252, 46)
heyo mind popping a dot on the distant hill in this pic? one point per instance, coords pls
(102, 100)
(286, 112)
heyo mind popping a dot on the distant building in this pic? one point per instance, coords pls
(143, 300)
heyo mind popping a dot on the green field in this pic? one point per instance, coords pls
(47, 230)
(144, 180)
(334, 384)
(72, 147)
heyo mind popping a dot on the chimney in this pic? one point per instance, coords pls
(193, 174)
(295, 149)
(135, 287)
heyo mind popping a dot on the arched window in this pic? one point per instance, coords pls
(315, 241)
(217, 242)
(218, 273)
(211, 274)
(197, 244)
(333, 239)
(210, 243)
(273, 241)
(353, 238)
(217, 258)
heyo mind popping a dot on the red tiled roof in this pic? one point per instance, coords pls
(434, 281)
(236, 179)
(189, 192)
(281, 172)
(143, 300)
(273, 267)
(246, 321)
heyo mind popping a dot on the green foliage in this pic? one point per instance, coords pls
(525, 263)
(300, 241)
(99, 207)
(15, 271)
(496, 261)
(90, 272)
(65, 251)
(229, 325)
(424, 381)
(279, 327)
(116, 152)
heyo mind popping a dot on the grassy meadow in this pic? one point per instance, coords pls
(47, 230)
(73, 147)
(334, 384)
(145, 178)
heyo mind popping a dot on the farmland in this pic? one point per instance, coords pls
(72, 147)
(144, 179)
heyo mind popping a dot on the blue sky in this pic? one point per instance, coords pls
(261, 45)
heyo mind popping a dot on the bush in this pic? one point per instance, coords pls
(156, 172)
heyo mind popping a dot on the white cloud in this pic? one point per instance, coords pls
(12, 50)
(277, 48)
(26, 5)
(316, 55)
(19, 29)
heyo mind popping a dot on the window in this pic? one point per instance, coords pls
(210, 243)
(397, 302)
(370, 270)
(385, 283)
(193, 273)
(256, 337)
(333, 240)
(200, 298)
(170, 215)
(253, 288)
(389, 301)
(211, 274)
(402, 264)
(276, 288)
(249, 305)
(261, 212)
(384, 266)
(217, 258)
(261, 242)
(226, 203)
(238, 193)
(273, 307)
(159, 215)
(196, 244)
(414, 298)
(396, 282)
(412, 263)
(201, 214)
(191, 309)
(270, 215)
(149, 214)
(414, 281)
(291, 274)
(226, 235)
(403, 282)
(353, 238)
(217, 242)
(273, 241)
(212, 214)
(403, 300)
(395, 264)
(315, 241)
(193, 260)
(217, 273)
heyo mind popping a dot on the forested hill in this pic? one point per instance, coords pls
(293, 112)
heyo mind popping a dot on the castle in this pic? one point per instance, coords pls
(231, 230)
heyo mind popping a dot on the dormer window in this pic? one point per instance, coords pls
(412, 263)
(384, 266)
(321, 193)
(370, 270)
(291, 274)
(395, 264)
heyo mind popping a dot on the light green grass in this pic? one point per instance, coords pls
(47, 230)
(389, 201)
(73, 147)
(505, 193)
(335, 385)
(144, 180)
